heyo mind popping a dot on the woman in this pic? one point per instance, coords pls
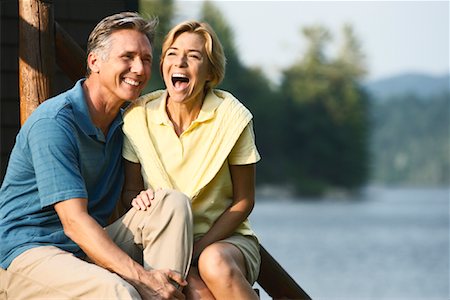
(199, 141)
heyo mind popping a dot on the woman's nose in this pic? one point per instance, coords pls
(181, 61)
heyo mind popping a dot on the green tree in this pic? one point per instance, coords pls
(318, 37)
(328, 136)
(164, 11)
(411, 140)
(350, 55)
(253, 89)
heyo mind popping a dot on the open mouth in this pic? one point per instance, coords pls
(180, 80)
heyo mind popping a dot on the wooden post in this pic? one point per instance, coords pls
(36, 54)
(276, 281)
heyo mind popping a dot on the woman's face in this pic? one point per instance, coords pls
(185, 68)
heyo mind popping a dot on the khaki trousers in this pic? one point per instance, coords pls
(160, 237)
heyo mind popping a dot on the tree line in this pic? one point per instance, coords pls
(410, 140)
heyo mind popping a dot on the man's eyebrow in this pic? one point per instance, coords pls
(148, 55)
(125, 52)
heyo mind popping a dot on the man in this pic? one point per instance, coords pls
(63, 181)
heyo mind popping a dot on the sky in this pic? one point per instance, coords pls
(396, 36)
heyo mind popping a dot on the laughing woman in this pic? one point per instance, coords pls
(200, 141)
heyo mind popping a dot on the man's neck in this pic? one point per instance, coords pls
(101, 111)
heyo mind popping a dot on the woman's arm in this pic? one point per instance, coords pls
(243, 179)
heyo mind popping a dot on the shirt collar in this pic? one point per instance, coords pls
(209, 107)
(161, 116)
(83, 118)
(207, 111)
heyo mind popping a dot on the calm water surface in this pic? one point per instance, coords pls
(392, 244)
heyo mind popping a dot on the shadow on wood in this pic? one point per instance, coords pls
(276, 281)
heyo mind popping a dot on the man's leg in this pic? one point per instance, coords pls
(50, 273)
(3, 279)
(162, 234)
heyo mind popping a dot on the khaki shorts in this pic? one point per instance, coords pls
(249, 246)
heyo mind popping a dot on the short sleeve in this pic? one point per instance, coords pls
(128, 151)
(55, 161)
(244, 151)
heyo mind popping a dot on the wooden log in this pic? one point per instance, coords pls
(69, 55)
(36, 54)
(276, 281)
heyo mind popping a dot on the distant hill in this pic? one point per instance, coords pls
(410, 134)
(421, 85)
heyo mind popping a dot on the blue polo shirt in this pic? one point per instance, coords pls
(59, 154)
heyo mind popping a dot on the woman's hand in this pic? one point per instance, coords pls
(143, 200)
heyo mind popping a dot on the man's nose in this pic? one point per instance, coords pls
(137, 66)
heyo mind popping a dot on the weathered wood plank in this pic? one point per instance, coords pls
(69, 55)
(276, 281)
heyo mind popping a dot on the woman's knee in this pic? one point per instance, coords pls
(221, 261)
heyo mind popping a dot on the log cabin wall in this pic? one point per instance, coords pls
(76, 17)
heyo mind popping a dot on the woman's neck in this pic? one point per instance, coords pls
(183, 114)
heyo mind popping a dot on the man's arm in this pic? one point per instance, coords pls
(95, 242)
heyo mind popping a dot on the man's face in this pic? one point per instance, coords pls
(126, 68)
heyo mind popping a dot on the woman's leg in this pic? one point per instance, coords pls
(196, 288)
(223, 269)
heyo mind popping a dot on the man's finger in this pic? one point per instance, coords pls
(176, 278)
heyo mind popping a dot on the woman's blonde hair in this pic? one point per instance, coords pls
(213, 47)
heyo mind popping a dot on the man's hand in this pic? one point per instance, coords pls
(159, 284)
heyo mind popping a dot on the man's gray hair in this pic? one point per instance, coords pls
(99, 38)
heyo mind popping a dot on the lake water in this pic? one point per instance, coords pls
(392, 244)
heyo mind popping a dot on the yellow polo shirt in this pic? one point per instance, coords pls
(180, 156)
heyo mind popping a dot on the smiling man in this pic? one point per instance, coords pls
(64, 179)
